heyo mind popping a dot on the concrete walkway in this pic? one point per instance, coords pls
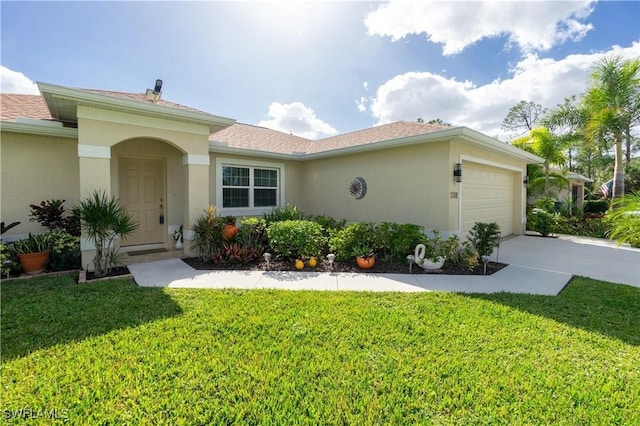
(536, 266)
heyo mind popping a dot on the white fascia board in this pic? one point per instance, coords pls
(481, 139)
(34, 129)
(81, 96)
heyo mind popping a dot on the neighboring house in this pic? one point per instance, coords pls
(166, 162)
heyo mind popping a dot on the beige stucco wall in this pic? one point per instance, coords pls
(108, 128)
(36, 168)
(405, 185)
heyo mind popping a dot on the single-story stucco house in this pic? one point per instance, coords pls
(166, 162)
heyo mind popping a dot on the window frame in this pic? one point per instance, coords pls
(251, 165)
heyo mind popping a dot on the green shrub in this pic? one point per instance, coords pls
(292, 239)
(484, 237)
(595, 206)
(328, 223)
(547, 204)
(541, 221)
(357, 234)
(9, 264)
(464, 256)
(396, 241)
(65, 252)
(207, 232)
(625, 219)
(280, 214)
(583, 226)
(33, 244)
(254, 228)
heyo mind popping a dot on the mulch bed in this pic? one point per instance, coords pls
(349, 267)
(115, 272)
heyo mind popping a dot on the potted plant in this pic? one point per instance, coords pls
(33, 252)
(178, 236)
(230, 229)
(364, 256)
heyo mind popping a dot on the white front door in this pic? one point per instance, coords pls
(142, 193)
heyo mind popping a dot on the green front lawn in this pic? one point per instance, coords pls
(114, 353)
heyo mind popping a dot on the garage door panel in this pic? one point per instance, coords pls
(487, 196)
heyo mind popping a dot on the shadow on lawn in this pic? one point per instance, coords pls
(612, 310)
(42, 312)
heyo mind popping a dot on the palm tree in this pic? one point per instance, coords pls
(613, 107)
(543, 143)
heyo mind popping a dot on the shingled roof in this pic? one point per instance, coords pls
(240, 136)
(13, 106)
(141, 97)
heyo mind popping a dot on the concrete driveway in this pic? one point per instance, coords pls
(589, 257)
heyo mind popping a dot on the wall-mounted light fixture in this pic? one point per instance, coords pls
(457, 172)
(525, 180)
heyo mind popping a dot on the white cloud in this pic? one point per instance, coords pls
(532, 25)
(362, 104)
(298, 119)
(16, 82)
(365, 85)
(541, 80)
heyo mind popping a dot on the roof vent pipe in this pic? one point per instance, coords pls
(158, 87)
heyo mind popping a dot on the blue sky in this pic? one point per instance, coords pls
(321, 68)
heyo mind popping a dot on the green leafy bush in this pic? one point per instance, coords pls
(296, 238)
(328, 223)
(65, 252)
(354, 235)
(9, 264)
(625, 219)
(547, 204)
(594, 227)
(464, 255)
(396, 241)
(595, 206)
(280, 214)
(254, 228)
(484, 237)
(541, 221)
(207, 232)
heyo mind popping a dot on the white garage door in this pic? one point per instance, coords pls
(487, 196)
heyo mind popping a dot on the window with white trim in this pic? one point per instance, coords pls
(249, 186)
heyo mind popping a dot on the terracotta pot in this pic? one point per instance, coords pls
(229, 231)
(366, 262)
(33, 263)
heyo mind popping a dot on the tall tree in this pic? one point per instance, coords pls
(523, 117)
(543, 143)
(613, 107)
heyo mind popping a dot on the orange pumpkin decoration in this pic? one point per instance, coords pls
(299, 265)
(229, 231)
(313, 262)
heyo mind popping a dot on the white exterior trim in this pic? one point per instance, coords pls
(248, 211)
(37, 129)
(196, 159)
(94, 151)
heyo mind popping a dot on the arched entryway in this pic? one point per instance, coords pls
(147, 177)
